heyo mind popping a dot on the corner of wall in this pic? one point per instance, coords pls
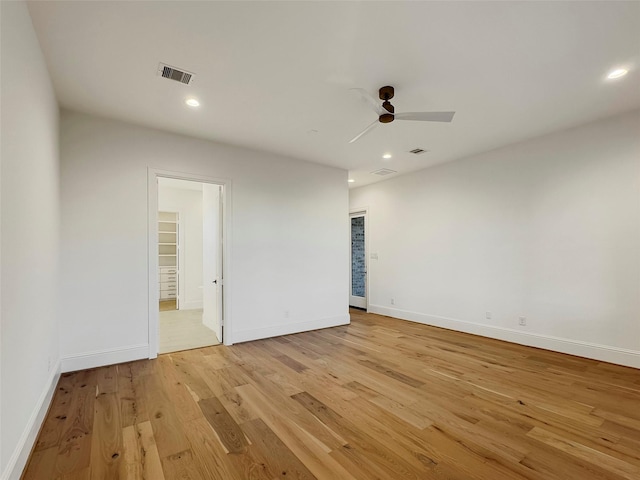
(20, 454)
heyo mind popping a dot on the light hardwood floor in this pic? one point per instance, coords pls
(183, 330)
(380, 398)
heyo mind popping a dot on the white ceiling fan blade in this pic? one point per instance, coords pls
(426, 116)
(372, 102)
(365, 131)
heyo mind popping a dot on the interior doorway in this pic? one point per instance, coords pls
(358, 260)
(187, 270)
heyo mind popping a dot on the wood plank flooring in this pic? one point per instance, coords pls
(380, 398)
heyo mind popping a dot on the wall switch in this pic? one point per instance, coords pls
(48, 364)
(523, 321)
(286, 314)
(373, 256)
(393, 301)
(487, 315)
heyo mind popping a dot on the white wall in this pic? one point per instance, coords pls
(29, 238)
(548, 229)
(289, 247)
(189, 204)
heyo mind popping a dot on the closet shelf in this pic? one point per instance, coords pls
(168, 229)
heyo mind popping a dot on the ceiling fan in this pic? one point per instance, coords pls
(386, 111)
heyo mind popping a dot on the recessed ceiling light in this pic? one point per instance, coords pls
(192, 102)
(386, 156)
(351, 180)
(617, 73)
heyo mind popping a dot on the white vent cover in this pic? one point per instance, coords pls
(383, 171)
(418, 151)
(173, 73)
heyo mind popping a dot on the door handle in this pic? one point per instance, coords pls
(215, 281)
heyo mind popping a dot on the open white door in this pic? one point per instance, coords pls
(358, 258)
(211, 254)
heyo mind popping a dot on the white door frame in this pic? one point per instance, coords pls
(152, 215)
(364, 211)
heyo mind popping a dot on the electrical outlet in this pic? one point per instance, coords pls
(393, 301)
(48, 364)
(286, 314)
(487, 315)
(523, 321)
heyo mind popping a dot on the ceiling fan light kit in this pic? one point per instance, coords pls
(386, 111)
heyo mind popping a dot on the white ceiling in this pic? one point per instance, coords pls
(269, 74)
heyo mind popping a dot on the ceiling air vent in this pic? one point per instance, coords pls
(173, 73)
(383, 171)
(418, 151)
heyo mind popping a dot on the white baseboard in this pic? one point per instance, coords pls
(20, 455)
(289, 328)
(605, 353)
(101, 358)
